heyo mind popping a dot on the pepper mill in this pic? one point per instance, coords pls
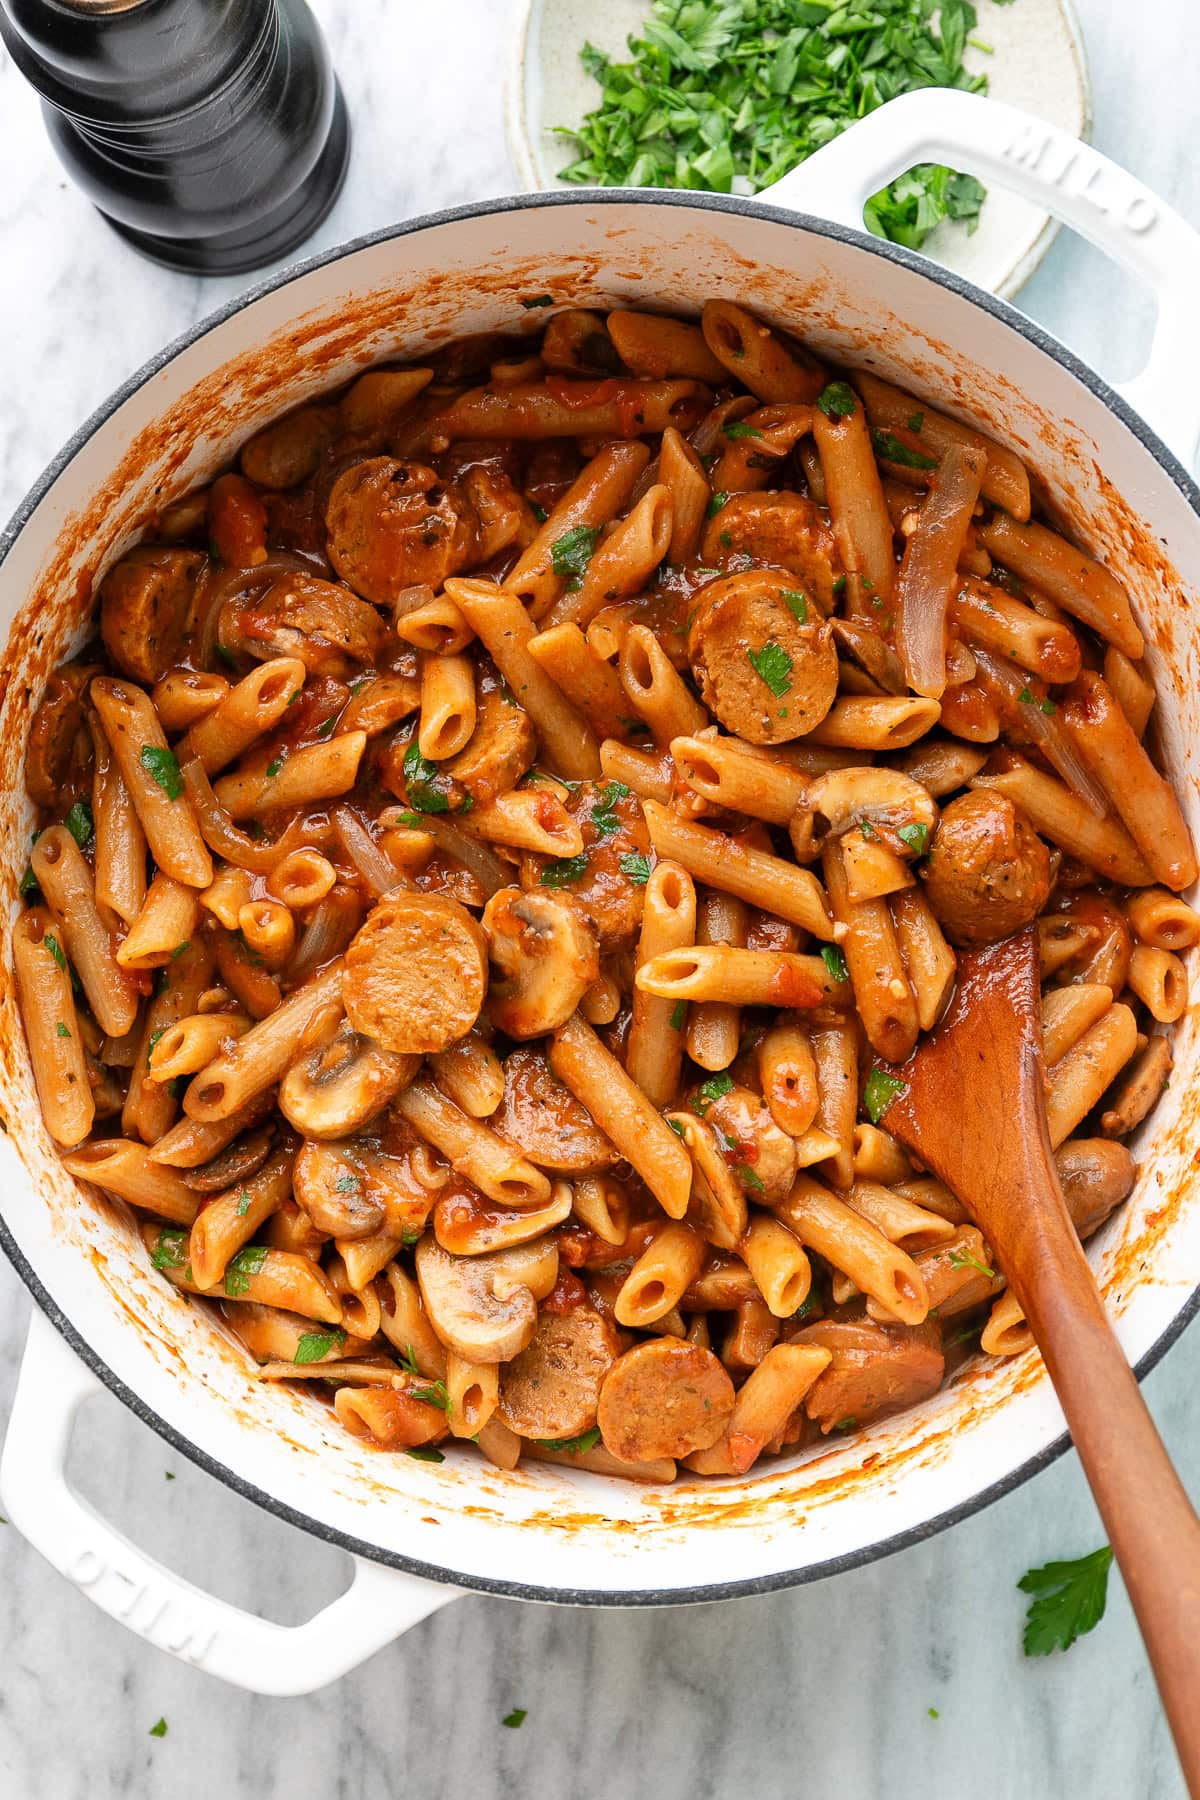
(212, 134)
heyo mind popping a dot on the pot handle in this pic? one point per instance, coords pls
(1012, 149)
(141, 1593)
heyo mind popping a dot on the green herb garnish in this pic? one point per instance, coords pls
(564, 872)
(327, 725)
(838, 400)
(226, 655)
(714, 507)
(751, 1179)
(516, 1718)
(916, 422)
(410, 1235)
(888, 446)
(55, 949)
(637, 868)
(276, 763)
(433, 1395)
(676, 1127)
(163, 766)
(1070, 1601)
(711, 1090)
(677, 1015)
(574, 1446)
(915, 836)
(773, 665)
(880, 1090)
(835, 962)
(315, 1346)
(243, 1205)
(170, 1252)
(962, 1259)
(571, 553)
(79, 823)
(741, 430)
(424, 1453)
(427, 787)
(241, 1267)
(159, 1730)
(796, 604)
(62, 1030)
(604, 817)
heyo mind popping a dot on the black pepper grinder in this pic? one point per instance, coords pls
(212, 134)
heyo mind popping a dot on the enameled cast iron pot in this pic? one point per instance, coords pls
(420, 1533)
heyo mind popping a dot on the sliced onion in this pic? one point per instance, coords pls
(1006, 682)
(333, 923)
(488, 870)
(929, 572)
(227, 839)
(377, 870)
(216, 589)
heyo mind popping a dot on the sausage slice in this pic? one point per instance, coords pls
(415, 974)
(876, 1369)
(552, 1389)
(664, 1398)
(763, 655)
(145, 603)
(782, 529)
(392, 524)
(545, 1120)
(988, 873)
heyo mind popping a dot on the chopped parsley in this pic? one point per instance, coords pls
(1070, 1599)
(428, 789)
(839, 586)
(713, 92)
(752, 1180)
(410, 1235)
(564, 872)
(226, 655)
(796, 604)
(838, 400)
(425, 1453)
(55, 949)
(677, 1015)
(573, 1446)
(676, 1127)
(711, 1090)
(637, 868)
(347, 1184)
(240, 1268)
(62, 1030)
(571, 553)
(714, 507)
(880, 1090)
(315, 1346)
(170, 1252)
(835, 962)
(539, 512)
(28, 885)
(604, 817)
(773, 665)
(159, 1730)
(741, 430)
(408, 1360)
(327, 725)
(933, 1713)
(243, 1205)
(516, 1718)
(962, 1259)
(276, 763)
(152, 1045)
(79, 823)
(916, 422)
(888, 446)
(433, 1395)
(411, 821)
(163, 767)
(916, 837)
(538, 300)
(179, 949)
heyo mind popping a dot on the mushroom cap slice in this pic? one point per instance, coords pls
(459, 1294)
(544, 956)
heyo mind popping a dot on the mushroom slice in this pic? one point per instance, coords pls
(237, 1163)
(546, 955)
(339, 1086)
(467, 1224)
(473, 1305)
(353, 1189)
(59, 758)
(545, 1120)
(893, 805)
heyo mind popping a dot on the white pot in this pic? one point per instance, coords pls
(422, 1532)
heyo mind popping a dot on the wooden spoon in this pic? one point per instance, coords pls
(974, 1111)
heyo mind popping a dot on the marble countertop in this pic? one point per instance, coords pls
(890, 1680)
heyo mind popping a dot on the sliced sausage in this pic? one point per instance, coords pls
(392, 524)
(763, 655)
(988, 873)
(500, 749)
(545, 1120)
(145, 603)
(784, 530)
(876, 1369)
(664, 1397)
(415, 973)
(330, 629)
(58, 762)
(761, 1155)
(610, 819)
(287, 451)
(552, 1389)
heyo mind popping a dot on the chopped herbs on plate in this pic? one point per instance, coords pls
(729, 95)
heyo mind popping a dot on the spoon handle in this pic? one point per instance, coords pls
(1151, 1524)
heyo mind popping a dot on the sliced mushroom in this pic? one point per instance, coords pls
(59, 758)
(329, 628)
(886, 801)
(465, 1308)
(241, 1160)
(468, 1224)
(354, 1188)
(544, 955)
(552, 1389)
(338, 1087)
(545, 1120)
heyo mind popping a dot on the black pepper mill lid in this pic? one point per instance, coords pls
(212, 134)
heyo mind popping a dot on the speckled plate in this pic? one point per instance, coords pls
(1037, 62)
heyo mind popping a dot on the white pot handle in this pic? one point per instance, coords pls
(160, 1606)
(1012, 149)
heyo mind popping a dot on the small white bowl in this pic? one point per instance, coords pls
(1038, 63)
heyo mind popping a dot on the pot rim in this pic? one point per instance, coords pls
(746, 206)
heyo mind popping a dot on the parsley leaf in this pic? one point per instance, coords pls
(1026, 696)
(1070, 1601)
(327, 725)
(170, 1252)
(159, 1730)
(62, 1030)
(711, 1090)
(516, 1718)
(226, 655)
(243, 1205)
(880, 1090)
(677, 1015)
(428, 789)
(564, 872)
(796, 604)
(425, 1453)
(838, 400)
(916, 422)
(409, 1235)
(574, 1446)
(637, 868)
(276, 763)
(433, 1395)
(749, 1176)
(741, 430)
(161, 1032)
(79, 823)
(28, 885)
(715, 505)
(773, 665)
(962, 1259)
(241, 1267)
(315, 1346)
(163, 766)
(676, 1127)
(835, 962)
(915, 836)
(571, 553)
(888, 446)
(55, 948)
(408, 1360)
(604, 818)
